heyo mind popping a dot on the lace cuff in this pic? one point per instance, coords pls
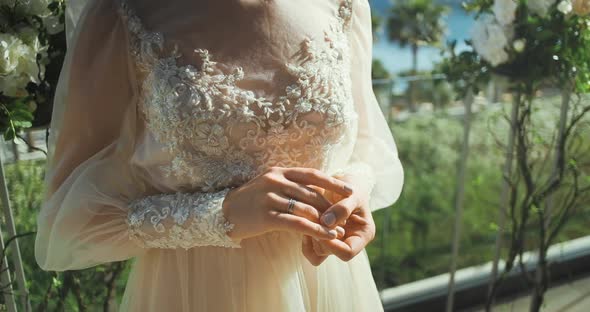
(183, 220)
(359, 170)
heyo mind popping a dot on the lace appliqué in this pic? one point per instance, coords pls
(191, 110)
(180, 220)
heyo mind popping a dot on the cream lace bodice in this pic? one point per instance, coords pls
(218, 134)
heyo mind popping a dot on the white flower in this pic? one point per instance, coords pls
(505, 11)
(540, 7)
(565, 6)
(519, 45)
(18, 64)
(490, 39)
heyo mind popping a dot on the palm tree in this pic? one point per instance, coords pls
(376, 21)
(416, 23)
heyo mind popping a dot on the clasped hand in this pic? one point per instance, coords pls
(332, 213)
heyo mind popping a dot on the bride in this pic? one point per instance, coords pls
(234, 149)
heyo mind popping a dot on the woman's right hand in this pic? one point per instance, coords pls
(260, 205)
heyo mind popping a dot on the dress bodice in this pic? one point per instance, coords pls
(219, 124)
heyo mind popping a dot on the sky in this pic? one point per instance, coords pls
(397, 59)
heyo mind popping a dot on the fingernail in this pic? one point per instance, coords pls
(334, 233)
(347, 188)
(340, 231)
(329, 219)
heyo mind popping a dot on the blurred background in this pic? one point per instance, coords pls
(487, 101)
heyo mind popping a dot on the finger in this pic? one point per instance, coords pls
(339, 212)
(358, 219)
(319, 249)
(309, 253)
(307, 195)
(318, 189)
(317, 177)
(300, 209)
(347, 249)
(297, 224)
(340, 232)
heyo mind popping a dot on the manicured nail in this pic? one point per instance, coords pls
(333, 233)
(329, 218)
(347, 188)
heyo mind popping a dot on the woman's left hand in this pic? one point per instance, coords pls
(353, 214)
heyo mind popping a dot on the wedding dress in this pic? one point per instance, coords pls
(163, 106)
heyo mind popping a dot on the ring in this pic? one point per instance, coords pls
(291, 205)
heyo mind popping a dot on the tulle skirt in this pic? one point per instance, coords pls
(269, 273)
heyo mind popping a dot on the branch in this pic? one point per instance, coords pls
(110, 284)
(30, 146)
(567, 210)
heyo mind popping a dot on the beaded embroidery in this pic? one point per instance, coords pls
(180, 220)
(191, 111)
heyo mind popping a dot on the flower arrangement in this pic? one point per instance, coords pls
(32, 45)
(532, 40)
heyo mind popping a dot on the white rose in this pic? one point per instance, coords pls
(490, 39)
(18, 65)
(565, 7)
(8, 61)
(505, 11)
(28, 35)
(540, 7)
(519, 45)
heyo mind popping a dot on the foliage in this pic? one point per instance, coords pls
(540, 47)
(421, 222)
(430, 88)
(536, 45)
(416, 22)
(88, 289)
(32, 41)
(376, 22)
(379, 71)
(464, 70)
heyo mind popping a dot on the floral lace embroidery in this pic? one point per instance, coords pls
(182, 220)
(191, 110)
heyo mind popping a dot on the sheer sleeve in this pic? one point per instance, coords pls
(96, 206)
(374, 158)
